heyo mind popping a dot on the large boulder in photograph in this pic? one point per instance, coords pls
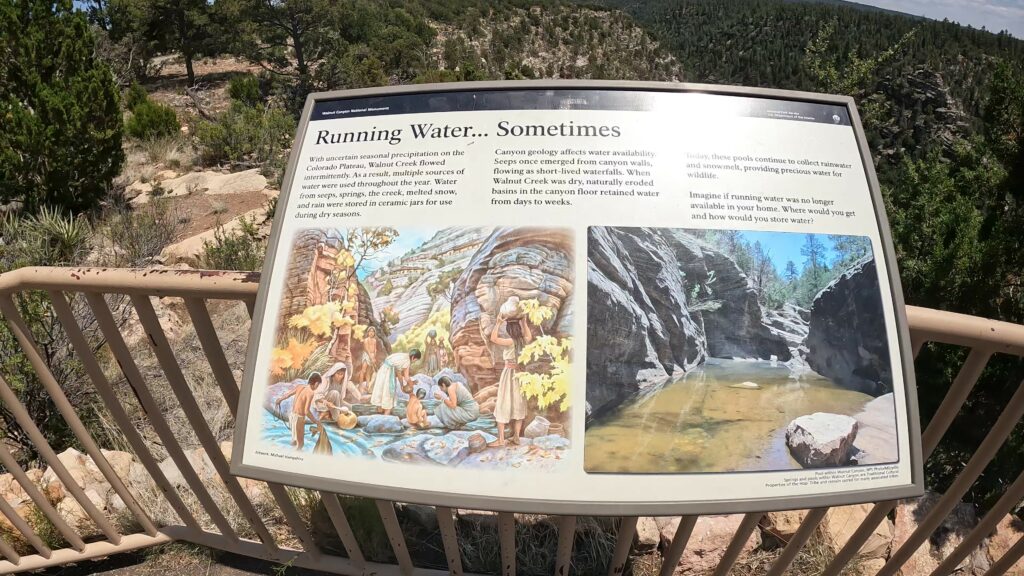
(529, 263)
(846, 340)
(640, 331)
(822, 440)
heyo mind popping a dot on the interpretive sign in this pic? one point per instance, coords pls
(573, 297)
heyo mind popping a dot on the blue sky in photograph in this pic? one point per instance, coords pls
(408, 239)
(994, 15)
(784, 246)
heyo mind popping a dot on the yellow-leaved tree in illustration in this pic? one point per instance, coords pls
(323, 332)
(551, 386)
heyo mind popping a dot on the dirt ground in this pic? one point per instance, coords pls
(201, 212)
(177, 559)
(212, 76)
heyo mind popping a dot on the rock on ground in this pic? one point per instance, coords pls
(781, 526)
(821, 439)
(711, 536)
(1008, 532)
(192, 247)
(841, 522)
(847, 341)
(648, 535)
(206, 182)
(957, 525)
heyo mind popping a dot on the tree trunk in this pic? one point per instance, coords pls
(188, 68)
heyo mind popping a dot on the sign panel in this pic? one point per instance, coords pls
(581, 298)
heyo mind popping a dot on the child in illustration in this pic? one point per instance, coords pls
(394, 372)
(457, 407)
(431, 349)
(510, 405)
(367, 364)
(302, 407)
(415, 412)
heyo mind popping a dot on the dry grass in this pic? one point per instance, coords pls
(811, 561)
(174, 152)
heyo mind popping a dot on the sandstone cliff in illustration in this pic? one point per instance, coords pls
(528, 263)
(418, 283)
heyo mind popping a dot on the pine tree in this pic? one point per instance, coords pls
(185, 26)
(60, 144)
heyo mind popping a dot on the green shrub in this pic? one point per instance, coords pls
(60, 116)
(151, 120)
(134, 96)
(242, 249)
(246, 135)
(245, 89)
(47, 238)
(271, 207)
(134, 237)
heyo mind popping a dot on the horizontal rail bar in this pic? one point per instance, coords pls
(963, 330)
(216, 284)
(90, 551)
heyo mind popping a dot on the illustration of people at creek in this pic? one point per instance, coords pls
(448, 347)
(747, 350)
(392, 375)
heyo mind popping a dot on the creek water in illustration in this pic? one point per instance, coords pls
(708, 421)
(357, 441)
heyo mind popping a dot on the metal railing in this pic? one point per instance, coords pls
(93, 291)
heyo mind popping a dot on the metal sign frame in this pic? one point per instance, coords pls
(658, 508)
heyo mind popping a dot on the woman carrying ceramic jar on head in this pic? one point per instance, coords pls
(510, 405)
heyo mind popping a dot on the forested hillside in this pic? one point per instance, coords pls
(943, 107)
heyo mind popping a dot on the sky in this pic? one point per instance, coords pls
(994, 15)
(408, 239)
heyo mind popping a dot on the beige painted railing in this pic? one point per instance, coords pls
(92, 289)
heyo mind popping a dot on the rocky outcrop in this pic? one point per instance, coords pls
(641, 330)
(708, 542)
(789, 323)
(841, 522)
(530, 263)
(847, 340)
(734, 322)
(402, 284)
(876, 433)
(822, 440)
(1008, 532)
(946, 538)
(663, 301)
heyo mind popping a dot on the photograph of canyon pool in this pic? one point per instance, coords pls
(430, 346)
(734, 351)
